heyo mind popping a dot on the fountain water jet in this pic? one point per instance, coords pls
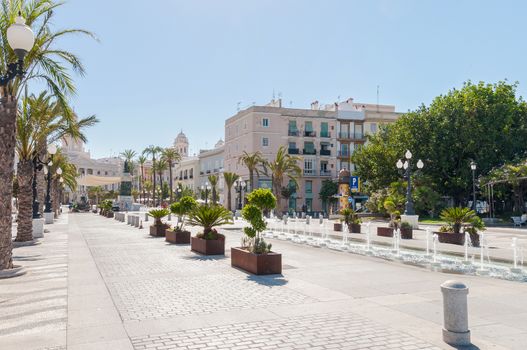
(482, 241)
(435, 264)
(514, 245)
(468, 242)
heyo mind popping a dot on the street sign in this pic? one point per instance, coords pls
(350, 199)
(354, 183)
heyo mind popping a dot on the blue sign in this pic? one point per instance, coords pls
(354, 183)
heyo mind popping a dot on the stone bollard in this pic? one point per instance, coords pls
(146, 217)
(455, 313)
(136, 223)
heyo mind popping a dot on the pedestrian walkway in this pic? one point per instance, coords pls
(127, 290)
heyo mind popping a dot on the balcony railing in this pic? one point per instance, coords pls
(293, 133)
(310, 133)
(310, 172)
(293, 151)
(185, 177)
(325, 172)
(309, 151)
(201, 172)
(351, 136)
(208, 171)
(325, 152)
(344, 153)
(325, 134)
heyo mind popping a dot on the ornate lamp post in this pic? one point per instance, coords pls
(473, 168)
(38, 164)
(240, 186)
(179, 193)
(407, 165)
(206, 188)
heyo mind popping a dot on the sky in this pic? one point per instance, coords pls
(161, 66)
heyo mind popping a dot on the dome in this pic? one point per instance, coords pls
(181, 138)
(219, 143)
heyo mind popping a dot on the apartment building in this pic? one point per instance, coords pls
(323, 138)
(211, 163)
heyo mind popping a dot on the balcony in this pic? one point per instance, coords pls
(191, 176)
(344, 153)
(310, 133)
(325, 134)
(293, 133)
(201, 172)
(208, 171)
(325, 152)
(185, 177)
(310, 172)
(309, 151)
(293, 151)
(344, 135)
(325, 172)
(216, 170)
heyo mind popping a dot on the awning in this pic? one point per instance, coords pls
(92, 180)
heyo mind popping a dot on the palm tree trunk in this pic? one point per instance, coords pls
(170, 172)
(25, 197)
(41, 178)
(251, 179)
(154, 172)
(142, 183)
(55, 196)
(7, 157)
(229, 198)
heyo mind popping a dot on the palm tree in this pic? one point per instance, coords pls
(161, 167)
(45, 62)
(153, 151)
(147, 186)
(230, 179)
(252, 161)
(213, 179)
(171, 156)
(40, 118)
(128, 156)
(69, 179)
(141, 160)
(284, 165)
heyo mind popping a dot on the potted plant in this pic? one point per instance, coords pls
(475, 225)
(106, 208)
(209, 242)
(158, 228)
(406, 230)
(391, 208)
(255, 255)
(178, 235)
(456, 218)
(337, 226)
(351, 219)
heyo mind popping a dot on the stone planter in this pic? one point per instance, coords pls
(451, 238)
(177, 237)
(109, 214)
(407, 233)
(354, 228)
(337, 227)
(158, 230)
(258, 264)
(208, 246)
(385, 231)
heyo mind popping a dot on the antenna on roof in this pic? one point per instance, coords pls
(273, 94)
(238, 106)
(377, 98)
(279, 95)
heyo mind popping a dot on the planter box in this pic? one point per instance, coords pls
(177, 237)
(407, 233)
(208, 246)
(109, 215)
(354, 228)
(385, 231)
(451, 238)
(158, 230)
(337, 227)
(258, 264)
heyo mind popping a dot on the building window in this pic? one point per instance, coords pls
(265, 141)
(309, 186)
(373, 128)
(265, 122)
(309, 204)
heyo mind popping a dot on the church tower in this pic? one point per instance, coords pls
(181, 144)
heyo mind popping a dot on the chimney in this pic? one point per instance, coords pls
(314, 105)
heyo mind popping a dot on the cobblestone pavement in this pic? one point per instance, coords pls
(323, 331)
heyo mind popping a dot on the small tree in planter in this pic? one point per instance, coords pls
(351, 219)
(460, 220)
(209, 242)
(158, 228)
(106, 208)
(406, 230)
(182, 208)
(391, 209)
(255, 255)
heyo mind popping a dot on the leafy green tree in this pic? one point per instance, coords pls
(328, 189)
(259, 201)
(182, 208)
(456, 128)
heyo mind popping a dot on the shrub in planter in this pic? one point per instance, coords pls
(209, 242)
(158, 228)
(406, 230)
(460, 220)
(106, 208)
(182, 208)
(391, 208)
(351, 219)
(255, 254)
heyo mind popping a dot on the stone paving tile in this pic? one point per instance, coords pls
(322, 331)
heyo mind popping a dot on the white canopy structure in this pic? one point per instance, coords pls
(92, 180)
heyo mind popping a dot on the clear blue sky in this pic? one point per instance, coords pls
(166, 65)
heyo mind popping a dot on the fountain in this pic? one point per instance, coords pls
(427, 255)
(468, 242)
(368, 239)
(482, 242)
(514, 245)
(435, 264)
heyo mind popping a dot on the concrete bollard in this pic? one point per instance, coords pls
(455, 313)
(146, 217)
(136, 221)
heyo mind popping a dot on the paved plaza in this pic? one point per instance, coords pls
(96, 283)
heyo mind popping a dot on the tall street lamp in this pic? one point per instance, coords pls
(240, 186)
(473, 168)
(206, 188)
(179, 193)
(38, 165)
(407, 166)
